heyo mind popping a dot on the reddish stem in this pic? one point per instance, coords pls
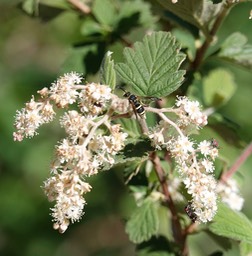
(178, 233)
(80, 5)
(200, 54)
(240, 160)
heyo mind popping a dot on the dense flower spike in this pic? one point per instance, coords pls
(30, 118)
(189, 112)
(85, 149)
(194, 160)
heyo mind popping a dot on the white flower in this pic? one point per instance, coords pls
(157, 137)
(63, 92)
(173, 187)
(204, 147)
(30, 118)
(181, 147)
(75, 124)
(189, 112)
(93, 98)
(192, 109)
(208, 165)
(229, 193)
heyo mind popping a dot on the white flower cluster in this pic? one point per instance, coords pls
(195, 165)
(189, 112)
(93, 99)
(230, 194)
(87, 147)
(30, 118)
(194, 161)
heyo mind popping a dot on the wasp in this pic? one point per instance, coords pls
(190, 212)
(137, 106)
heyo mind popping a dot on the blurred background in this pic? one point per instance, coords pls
(33, 53)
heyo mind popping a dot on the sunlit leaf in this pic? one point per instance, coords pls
(218, 87)
(90, 27)
(245, 249)
(236, 50)
(104, 11)
(186, 40)
(231, 224)
(151, 68)
(30, 7)
(130, 126)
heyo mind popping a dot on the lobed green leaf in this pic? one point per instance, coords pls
(231, 224)
(143, 223)
(151, 68)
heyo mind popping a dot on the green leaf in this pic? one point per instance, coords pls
(35, 7)
(157, 253)
(61, 4)
(236, 50)
(74, 61)
(143, 223)
(136, 149)
(107, 71)
(186, 40)
(30, 7)
(196, 12)
(130, 126)
(218, 87)
(79, 57)
(143, 11)
(89, 27)
(104, 11)
(152, 66)
(157, 246)
(245, 249)
(135, 152)
(231, 224)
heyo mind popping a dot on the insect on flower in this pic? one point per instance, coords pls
(190, 212)
(136, 104)
(214, 143)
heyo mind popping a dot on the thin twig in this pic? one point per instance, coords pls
(80, 5)
(176, 226)
(165, 118)
(94, 128)
(200, 54)
(241, 159)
